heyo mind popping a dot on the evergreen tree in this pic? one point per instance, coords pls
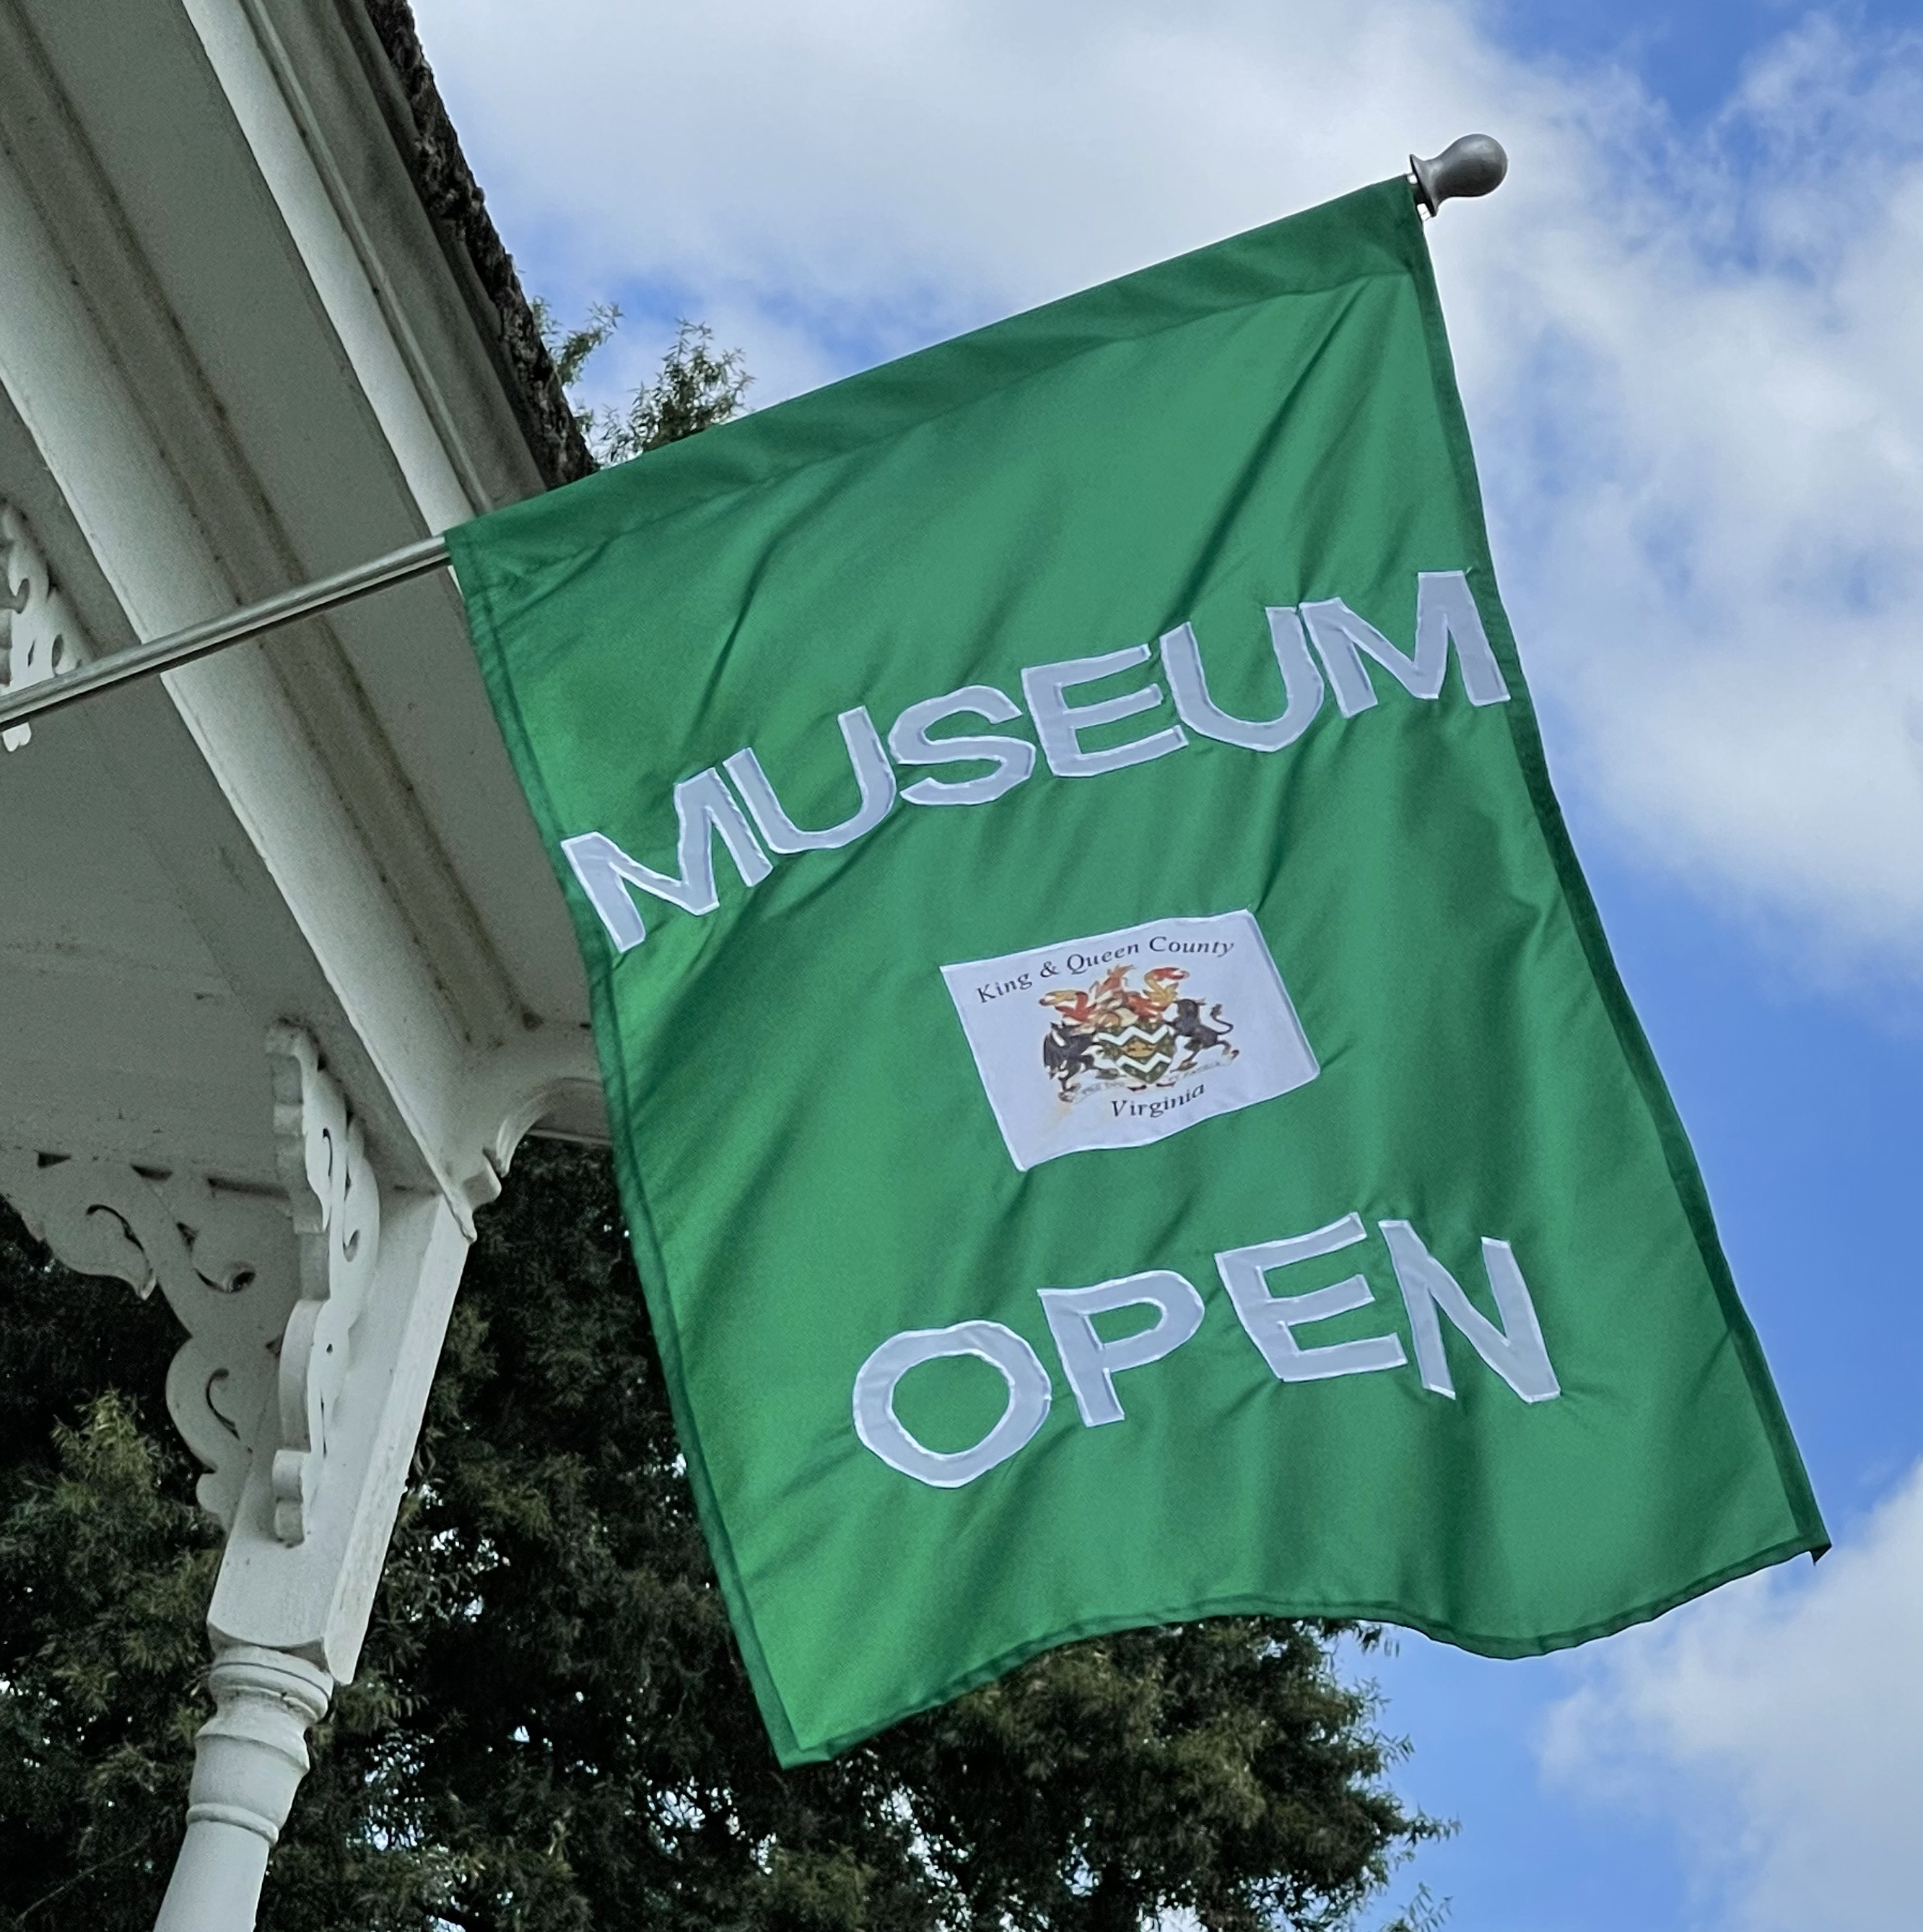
(552, 1730)
(106, 1564)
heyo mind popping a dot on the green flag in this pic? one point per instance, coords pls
(1124, 1107)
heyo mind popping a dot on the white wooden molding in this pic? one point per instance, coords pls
(223, 1259)
(248, 1761)
(350, 844)
(269, 1308)
(402, 984)
(40, 637)
(312, 1339)
(335, 1202)
(312, 1598)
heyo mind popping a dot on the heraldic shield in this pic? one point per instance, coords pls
(1112, 1032)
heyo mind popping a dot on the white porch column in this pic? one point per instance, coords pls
(248, 1760)
(287, 1619)
(310, 1352)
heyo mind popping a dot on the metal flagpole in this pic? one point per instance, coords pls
(199, 640)
(1474, 165)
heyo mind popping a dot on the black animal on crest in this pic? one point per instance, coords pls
(1198, 1035)
(1065, 1053)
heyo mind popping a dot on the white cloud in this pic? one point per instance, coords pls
(1690, 363)
(885, 171)
(1710, 485)
(1778, 1727)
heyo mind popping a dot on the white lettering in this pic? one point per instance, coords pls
(1516, 1351)
(873, 773)
(702, 806)
(1059, 724)
(1029, 1392)
(1092, 1364)
(1445, 608)
(1014, 758)
(1271, 1320)
(1446, 614)
(1301, 681)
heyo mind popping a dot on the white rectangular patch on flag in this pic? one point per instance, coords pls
(1127, 1037)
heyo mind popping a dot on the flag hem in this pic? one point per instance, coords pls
(649, 1263)
(1525, 735)
(1503, 1649)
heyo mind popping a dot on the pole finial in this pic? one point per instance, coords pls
(1474, 165)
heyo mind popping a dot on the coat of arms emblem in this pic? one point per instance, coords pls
(1109, 1033)
(1140, 1033)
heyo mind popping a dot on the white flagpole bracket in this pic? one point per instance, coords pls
(218, 634)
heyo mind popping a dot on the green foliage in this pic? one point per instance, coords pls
(105, 1566)
(552, 1730)
(696, 386)
(570, 348)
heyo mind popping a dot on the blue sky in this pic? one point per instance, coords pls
(1688, 57)
(1686, 330)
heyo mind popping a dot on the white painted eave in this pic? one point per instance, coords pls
(234, 355)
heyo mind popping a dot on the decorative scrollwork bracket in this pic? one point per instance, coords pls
(222, 1257)
(39, 635)
(269, 1310)
(336, 1205)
